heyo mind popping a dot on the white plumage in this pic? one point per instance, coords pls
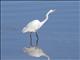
(34, 25)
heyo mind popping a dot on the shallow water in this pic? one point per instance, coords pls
(59, 37)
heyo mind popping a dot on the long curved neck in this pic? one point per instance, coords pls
(46, 18)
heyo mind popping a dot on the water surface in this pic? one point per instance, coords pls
(58, 37)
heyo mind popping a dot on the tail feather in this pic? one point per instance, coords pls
(24, 30)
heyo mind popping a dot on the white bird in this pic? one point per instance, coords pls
(35, 25)
(35, 52)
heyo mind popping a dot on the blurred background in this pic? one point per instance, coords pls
(59, 37)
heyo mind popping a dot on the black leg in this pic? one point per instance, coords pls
(37, 39)
(30, 39)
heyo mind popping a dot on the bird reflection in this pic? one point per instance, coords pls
(35, 52)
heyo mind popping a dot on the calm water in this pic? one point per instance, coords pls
(58, 37)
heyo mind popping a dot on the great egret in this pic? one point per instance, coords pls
(34, 25)
(35, 52)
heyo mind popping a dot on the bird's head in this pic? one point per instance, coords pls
(50, 11)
